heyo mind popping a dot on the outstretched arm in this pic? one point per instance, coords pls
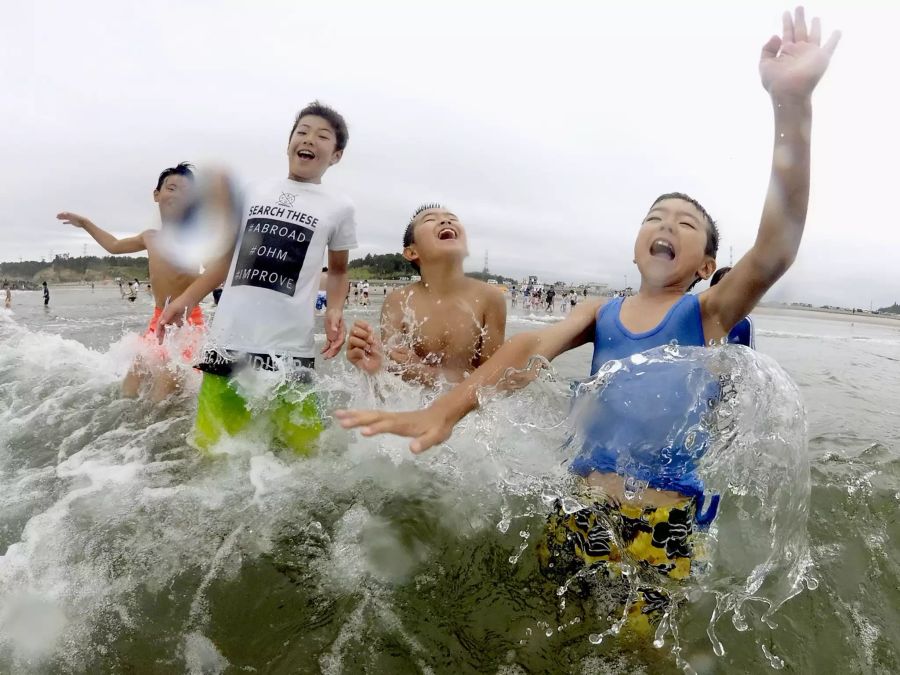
(434, 424)
(102, 237)
(790, 67)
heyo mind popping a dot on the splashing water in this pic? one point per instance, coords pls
(121, 549)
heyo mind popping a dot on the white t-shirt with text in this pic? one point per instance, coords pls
(269, 298)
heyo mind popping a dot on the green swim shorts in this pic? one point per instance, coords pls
(293, 419)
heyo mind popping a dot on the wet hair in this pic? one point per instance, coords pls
(330, 115)
(712, 230)
(717, 277)
(409, 234)
(183, 169)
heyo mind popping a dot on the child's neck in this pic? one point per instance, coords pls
(312, 181)
(443, 277)
(650, 293)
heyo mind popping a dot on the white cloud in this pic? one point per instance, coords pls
(548, 127)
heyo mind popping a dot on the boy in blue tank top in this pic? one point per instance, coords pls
(675, 248)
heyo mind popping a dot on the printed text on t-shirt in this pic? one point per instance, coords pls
(272, 252)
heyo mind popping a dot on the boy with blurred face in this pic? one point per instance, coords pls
(266, 314)
(441, 327)
(169, 280)
(675, 247)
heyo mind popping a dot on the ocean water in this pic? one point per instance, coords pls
(121, 550)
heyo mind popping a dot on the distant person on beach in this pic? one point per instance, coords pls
(265, 320)
(322, 295)
(46, 292)
(7, 295)
(441, 327)
(172, 192)
(674, 249)
(743, 332)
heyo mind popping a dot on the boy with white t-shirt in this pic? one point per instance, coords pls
(266, 314)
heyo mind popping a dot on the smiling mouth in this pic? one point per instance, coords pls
(447, 234)
(662, 249)
(305, 154)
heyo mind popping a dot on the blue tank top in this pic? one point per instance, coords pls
(742, 333)
(646, 423)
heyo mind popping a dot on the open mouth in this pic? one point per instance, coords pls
(305, 154)
(447, 234)
(662, 249)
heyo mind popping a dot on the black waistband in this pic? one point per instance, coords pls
(224, 362)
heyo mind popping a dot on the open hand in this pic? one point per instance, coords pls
(70, 218)
(426, 427)
(334, 332)
(791, 65)
(364, 348)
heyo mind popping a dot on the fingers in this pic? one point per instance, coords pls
(815, 31)
(351, 419)
(427, 440)
(787, 27)
(832, 43)
(332, 348)
(770, 49)
(799, 25)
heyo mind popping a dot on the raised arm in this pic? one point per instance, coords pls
(790, 67)
(434, 424)
(105, 239)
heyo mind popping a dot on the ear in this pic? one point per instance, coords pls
(336, 157)
(410, 253)
(707, 269)
(156, 196)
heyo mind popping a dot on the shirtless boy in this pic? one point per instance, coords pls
(441, 327)
(167, 280)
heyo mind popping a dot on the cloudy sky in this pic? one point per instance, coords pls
(547, 127)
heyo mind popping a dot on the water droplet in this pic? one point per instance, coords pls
(548, 632)
(503, 525)
(595, 638)
(774, 661)
(781, 135)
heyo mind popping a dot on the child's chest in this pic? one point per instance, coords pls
(452, 327)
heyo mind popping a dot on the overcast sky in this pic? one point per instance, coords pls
(549, 128)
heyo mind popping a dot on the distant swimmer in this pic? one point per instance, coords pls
(167, 280)
(442, 327)
(46, 294)
(322, 295)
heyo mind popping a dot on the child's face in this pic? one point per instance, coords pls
(312, 149)
(437, 235)
(671, 245)
(173, 197)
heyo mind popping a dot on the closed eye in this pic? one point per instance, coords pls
(690, 225)
(651, 219)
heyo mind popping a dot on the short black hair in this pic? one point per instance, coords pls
(183, 169)
(409, 234)
(717, 277)
(712, 230)
(330, 115)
